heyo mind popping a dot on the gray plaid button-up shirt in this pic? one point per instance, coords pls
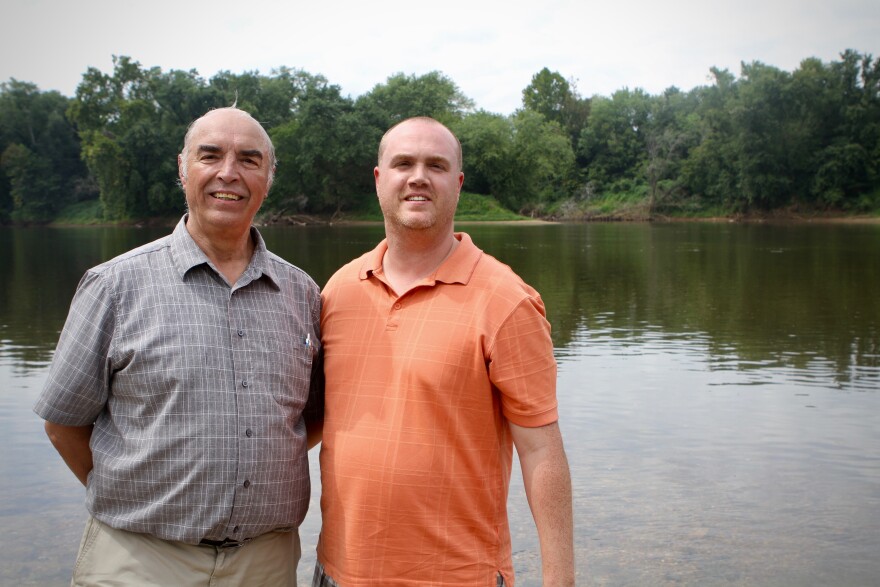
(196, 389)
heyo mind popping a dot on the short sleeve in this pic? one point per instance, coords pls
(77, 387)
(522, 366)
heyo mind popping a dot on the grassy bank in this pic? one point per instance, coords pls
(636, 208)
(472, 207)
(86, 213)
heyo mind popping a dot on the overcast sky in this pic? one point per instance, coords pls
(489, 48)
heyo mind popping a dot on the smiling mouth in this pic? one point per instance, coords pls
(416, 199)
(226, 197)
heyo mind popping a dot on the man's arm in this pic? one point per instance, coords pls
(548, 488)
(72, 443)
(314, 434)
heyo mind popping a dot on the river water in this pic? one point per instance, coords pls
(719, 387)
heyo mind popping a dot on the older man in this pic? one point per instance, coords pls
(438, 360)
(183, 384)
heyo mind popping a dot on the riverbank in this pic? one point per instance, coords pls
(337, 220)
(492, 216)
(756, 218)
(778, 218)
(481, 208)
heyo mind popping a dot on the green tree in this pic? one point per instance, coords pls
(132, 123)
(524, 161)
(108, 163)
(325, 153)
(42, 171)
(403, 96)
(35, 189)
(557, 100)
(545, 162)
(670, 132)
(764, 141)
(487, 145)
(710, 172)
(847, 160)
(548, 94)
(613, 142)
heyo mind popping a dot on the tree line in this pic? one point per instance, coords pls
(765, 140)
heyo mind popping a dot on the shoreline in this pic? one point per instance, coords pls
(766, 217)
(332, 220)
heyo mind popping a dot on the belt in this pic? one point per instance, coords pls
(225, 543)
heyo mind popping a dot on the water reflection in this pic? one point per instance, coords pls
(698, 475)
(781, 293)
(807, 369)
(718, 385)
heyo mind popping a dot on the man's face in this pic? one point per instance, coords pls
(226, 172)
(418, 179)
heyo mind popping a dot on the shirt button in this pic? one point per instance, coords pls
(244, 383)
(248, 433)
(241, 332)
(396, 306)
(247, 483)
(235, 530)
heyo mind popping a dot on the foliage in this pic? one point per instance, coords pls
(34, 187)
(523, 161)
(323, 136)
(404, 96)
(40, 169)
(479, 207)
(613, 141)
(764, 140)
(80, 214)
(557, 100)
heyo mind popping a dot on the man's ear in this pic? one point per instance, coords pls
(271, 179)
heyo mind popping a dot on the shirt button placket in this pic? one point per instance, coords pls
(393, 321)
(241, 370)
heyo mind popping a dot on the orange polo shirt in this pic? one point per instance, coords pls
(416, 453)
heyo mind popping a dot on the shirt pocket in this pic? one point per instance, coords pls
(289, 370)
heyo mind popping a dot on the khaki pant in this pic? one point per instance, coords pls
(115, 557)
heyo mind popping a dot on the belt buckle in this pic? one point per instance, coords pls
(225, 543)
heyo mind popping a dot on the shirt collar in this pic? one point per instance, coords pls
(187, 254)
(457, 268)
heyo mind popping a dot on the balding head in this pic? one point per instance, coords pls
(420, 119)
(226, 111)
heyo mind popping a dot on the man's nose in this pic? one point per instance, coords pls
(228, 169)
(419, 175)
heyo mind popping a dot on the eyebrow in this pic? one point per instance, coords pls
(430, 159)
(216, 149)
(251, 153)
